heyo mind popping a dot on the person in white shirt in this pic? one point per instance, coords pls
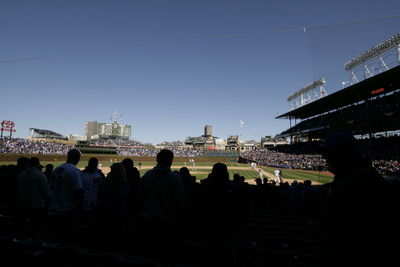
(65, 197)
(91, 179)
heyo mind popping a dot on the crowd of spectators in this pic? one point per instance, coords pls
(164, 212)
(124, 147)
(272, 158)
(26, 146)
(152, 152)
(116, 142)
(384, 152)
(128, 214)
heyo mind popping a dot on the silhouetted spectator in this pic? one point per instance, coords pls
(133, 177)
(358, 214)
(219, 218)
(12, 183)
(48, 170)
(91, 179)
(192, 194)
(113, 197)
(32, 196)
(163, 203)
(65, 198)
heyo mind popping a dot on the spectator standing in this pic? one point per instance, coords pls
(65, 198)
(112, 205)
(48, 170)
(358, 213)
(32, 194)
(219, 218)
(91, 179)
(163, 192)
(133, 177)
(163, 203)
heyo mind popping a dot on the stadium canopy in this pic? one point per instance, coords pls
(42, 133)
(379, 84)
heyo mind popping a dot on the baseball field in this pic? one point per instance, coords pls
(202, 169)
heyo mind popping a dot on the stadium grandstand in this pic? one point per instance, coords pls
(232, 143)
(269, 141)
(365, 108)
(369, 106)
(45, 134)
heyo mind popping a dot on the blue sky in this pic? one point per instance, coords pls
(171, 67)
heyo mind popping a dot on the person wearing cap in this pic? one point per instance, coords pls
(356, 212)
(32, 194)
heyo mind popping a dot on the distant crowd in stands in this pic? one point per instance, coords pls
(269, 157)
(26, 146)
(178, 151)
(124, 147)
(384, 153)
(114, 142)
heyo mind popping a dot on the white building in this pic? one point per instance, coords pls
(94, 130)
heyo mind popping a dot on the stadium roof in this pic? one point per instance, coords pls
(379, 84)
(45, 132)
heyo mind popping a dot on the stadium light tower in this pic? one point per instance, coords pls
(311, 92)
(374, 58)
(116, 117)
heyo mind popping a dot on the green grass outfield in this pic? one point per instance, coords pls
(203, 172)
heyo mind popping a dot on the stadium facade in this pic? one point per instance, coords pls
(205, 141)
(96, 130)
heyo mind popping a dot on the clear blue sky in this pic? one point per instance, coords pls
(171, 67)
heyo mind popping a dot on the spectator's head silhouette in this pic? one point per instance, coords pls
(340, 151)
(35, 162)
(165, 157)
(92, 164)
(117, 174)
(22, 163)
(49, 167)
(48, 170)
(127, 163)
(184, 172)
(236, 177)
(73, 156)
(220, 172)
